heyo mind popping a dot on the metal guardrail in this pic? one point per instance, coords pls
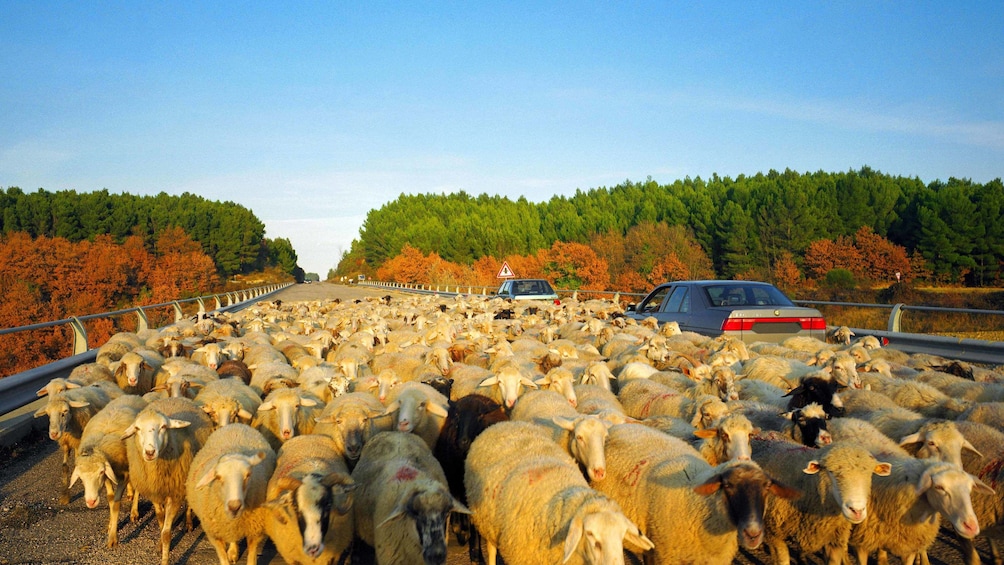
(19, 389)
(970, 350)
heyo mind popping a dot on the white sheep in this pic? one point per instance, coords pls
(560, 380)
(350, 420)
(162, 441)
(102, 462)
(286, 412)
(728, 440)
(666, 488)
(835, 482)
(402, 500)
(642, 398)
(68, 412)
(226, 487)
(563, 521)
(504, 386)
(311, 485)
(593, 399)
(228, 400)
(581, 435)
(419, 409)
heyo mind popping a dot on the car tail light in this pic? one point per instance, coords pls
(746, 324)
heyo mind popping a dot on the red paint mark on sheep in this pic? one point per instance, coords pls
(406, 473)
(648, 405)
(631, 479)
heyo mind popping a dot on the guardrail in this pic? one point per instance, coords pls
(963, 349)
(18, 391)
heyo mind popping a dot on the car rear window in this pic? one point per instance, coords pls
(746, 295)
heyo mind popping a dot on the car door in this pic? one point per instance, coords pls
(670, 303)
(503, 290)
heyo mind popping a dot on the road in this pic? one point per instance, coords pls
(36, 529)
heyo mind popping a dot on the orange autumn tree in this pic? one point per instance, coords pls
(867, 255)
(180, 268)
(574, 266)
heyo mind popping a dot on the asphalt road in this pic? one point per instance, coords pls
(36, 529)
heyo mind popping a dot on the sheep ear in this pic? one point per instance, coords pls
(288, 484)
(459, 507)
(968, 446)
(563, 422)
(110, 473)
(40, 412)
(207, 477)
(266, 406)
(391, 408)
(42, 391)
(812, 467)
(706, 433)
(308, 402)
(709, 486)
(396, 513)
(883, 469)
(910, 439)
(573, 538)
(981, 487)
(244, 414)
(796, 390)
(489, 381)
(256, 458)
(782, 490)
(74, 476)
(635, 536)
(129, 432)
(78, 403)
(175, 424)
(527, 382)
(436, 409)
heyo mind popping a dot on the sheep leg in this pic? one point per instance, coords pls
(883, 557)
(780, 551)
(492, 553)
(474, 545)
(114, 506)
(134, 510)
(64, 495)
(254, 548)
(862, 557)
(924, 559)
(969, 554)
(171, 508)
(233, 552)
(221, 550)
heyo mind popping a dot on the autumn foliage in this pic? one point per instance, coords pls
(869, 256)
(44, 279)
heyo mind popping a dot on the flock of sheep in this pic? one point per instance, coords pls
(554, 433)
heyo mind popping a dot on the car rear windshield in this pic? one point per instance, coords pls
(746, 295)
(523, 288)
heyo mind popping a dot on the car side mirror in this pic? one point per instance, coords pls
(631, 307)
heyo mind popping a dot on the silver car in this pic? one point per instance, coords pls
(751, 311)
(527, 289)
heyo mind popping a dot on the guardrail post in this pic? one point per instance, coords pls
(79, 336)
(896, 317)
(216, 297)
(202, 308)
(575, 295)
(230, 299)
(617, 298)
(142, 322)
(178, 314)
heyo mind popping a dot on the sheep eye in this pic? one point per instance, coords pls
(931, 444)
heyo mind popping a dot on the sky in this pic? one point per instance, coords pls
(311, 114)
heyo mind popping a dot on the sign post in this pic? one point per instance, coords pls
(505, 272)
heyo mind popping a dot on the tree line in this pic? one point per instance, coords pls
(777, 226)
(230, 234)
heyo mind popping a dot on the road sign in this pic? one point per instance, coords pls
(505, 272)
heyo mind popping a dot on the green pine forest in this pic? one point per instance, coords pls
(744, 224)
(229, 233)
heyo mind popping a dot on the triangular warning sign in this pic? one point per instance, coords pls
(505, 272)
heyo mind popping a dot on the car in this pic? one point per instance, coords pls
(749, 310)
(527, 289)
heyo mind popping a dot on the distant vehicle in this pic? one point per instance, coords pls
(362, 278)
(751, 311)
(527, 289)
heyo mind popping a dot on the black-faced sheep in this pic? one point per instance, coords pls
(657, 479)
(226, 488)
(402, 500)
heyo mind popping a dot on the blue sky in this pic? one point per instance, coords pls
(313, 113)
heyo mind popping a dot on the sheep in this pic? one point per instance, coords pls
(262, 373)
(657, 479)
(597, 373)
(989, 468)
(906, 504)
(113, 350)
(808, 425)
(81, 375)
(162, 441)
(228, 400)
(466, 419)
(102, 455)
(819, 390)
(420, 409)
(564, 521)
(211, 355)
(843, 335)
(136, 371)
(226, 488)
(920, 397)
(729, 440)
(285, 413)
(350, 420)
(642, 398)
(560, 380)
(989, 413)
(234, 368)
(402, 500)
(69, 412)
(835, 482)
(311, 486)
(581, 435)
(592, 399)
(504, 386)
